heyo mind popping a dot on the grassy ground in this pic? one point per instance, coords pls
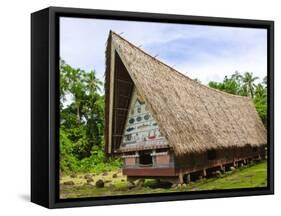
(247, 177)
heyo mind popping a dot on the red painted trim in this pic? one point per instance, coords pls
(149, 171)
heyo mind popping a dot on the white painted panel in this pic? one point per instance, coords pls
(141, 128)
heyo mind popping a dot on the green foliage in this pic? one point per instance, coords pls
(228, 85)
(260, 101)
(81, 122)
(68, 162)
(244, 85)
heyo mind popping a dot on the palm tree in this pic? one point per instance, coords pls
(248, 80)
(260, 91)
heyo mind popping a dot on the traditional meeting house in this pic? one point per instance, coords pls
(167, 126)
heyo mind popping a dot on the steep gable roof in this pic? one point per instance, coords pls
(192, 116)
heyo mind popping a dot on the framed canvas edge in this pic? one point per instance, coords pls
(55, 12)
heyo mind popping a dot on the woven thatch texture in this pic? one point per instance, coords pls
(193, 117)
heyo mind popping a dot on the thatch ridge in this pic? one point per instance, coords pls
(192, 116)
(175, 70)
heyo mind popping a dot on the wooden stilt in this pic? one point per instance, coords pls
(188, 178)
(235, 164)
(222, 169)
(181, 177)
(204, 173)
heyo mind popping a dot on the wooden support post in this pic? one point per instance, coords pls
(137, 159)
(222, 169)
(154, 163)
(188, 178)
(204, 173)
(235, 164)
(181, 177)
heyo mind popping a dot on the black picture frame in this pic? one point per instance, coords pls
(45, 103)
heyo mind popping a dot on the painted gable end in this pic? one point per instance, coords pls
(141, 128)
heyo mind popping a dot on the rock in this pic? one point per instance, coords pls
(90, 180)
(69, 183)
(114, 175)
(73, 175)
(232, 168)
(88, 176)
(131, 185)
(100, 183)
(218, 173)
(105, 174)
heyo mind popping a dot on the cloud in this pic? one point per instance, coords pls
(203, 52)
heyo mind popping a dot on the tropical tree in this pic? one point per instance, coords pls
(229, 85)
(82, 109)
(248, 83)
(260, 90)
(244, 85)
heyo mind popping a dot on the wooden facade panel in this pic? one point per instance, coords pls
(162, 159)
(130, 161)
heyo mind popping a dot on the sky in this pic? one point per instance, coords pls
(207, 53)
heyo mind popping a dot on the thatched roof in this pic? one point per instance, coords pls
(192, 116)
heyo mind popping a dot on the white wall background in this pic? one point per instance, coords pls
(15, 107)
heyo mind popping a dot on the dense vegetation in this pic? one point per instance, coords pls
(246, 85)
(82, 116)
(82, 122)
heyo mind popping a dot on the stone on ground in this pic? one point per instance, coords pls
(89, 180)
(73, 175)
(100, 183)
(69, 183)
(88, 176)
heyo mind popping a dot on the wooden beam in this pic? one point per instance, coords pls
(124, 81)
(119, 108)
(124, 96)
